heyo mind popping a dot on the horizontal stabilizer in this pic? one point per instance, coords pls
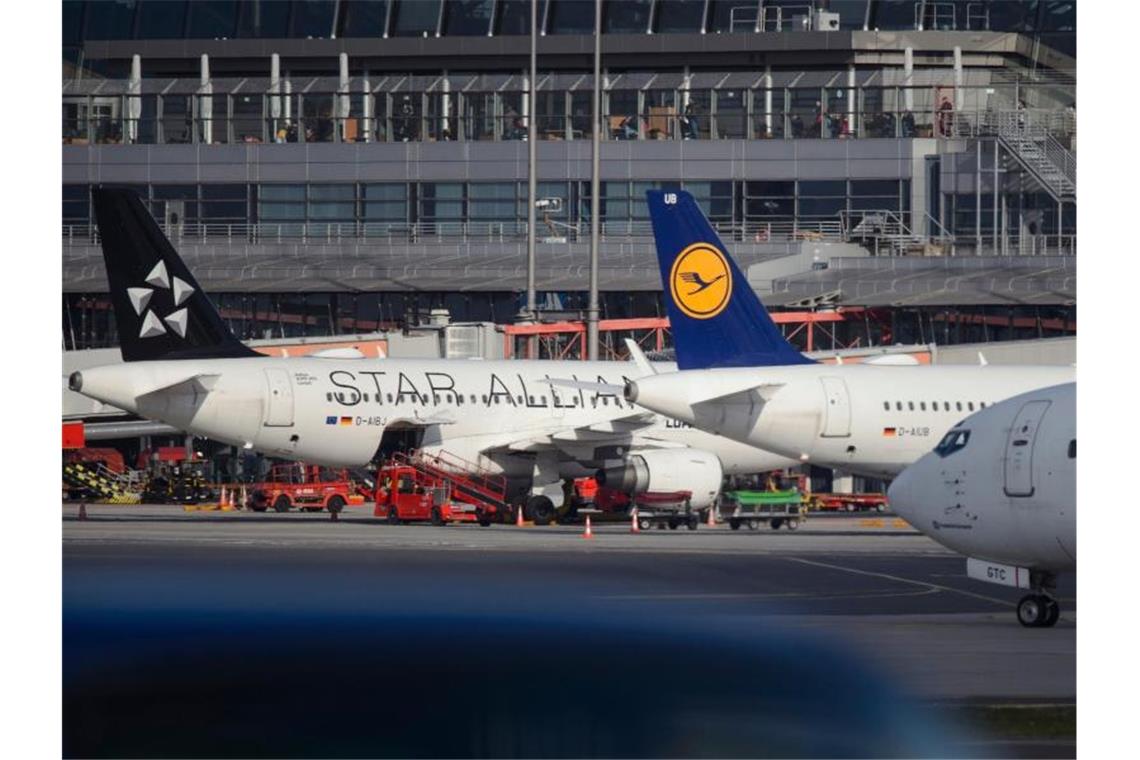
(722, 391)
(195, 385)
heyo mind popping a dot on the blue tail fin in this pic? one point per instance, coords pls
(716, 318)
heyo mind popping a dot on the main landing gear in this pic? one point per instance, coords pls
(1039, 609)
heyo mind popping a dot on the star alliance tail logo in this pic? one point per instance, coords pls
(152, 325)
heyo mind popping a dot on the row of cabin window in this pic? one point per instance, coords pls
(961, 406)
(457, 398)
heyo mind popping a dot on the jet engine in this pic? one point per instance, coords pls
(663, 470)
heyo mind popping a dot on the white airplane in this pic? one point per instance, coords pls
(1001, 488)
(741, 379)
(184, 367)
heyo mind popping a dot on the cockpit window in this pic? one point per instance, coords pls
(952, 441)
(1073, 449)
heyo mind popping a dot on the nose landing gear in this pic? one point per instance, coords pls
(1039, 609)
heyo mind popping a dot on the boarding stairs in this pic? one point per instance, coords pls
(102, 483)
(466, 481)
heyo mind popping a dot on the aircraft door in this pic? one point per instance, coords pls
(837, 412)
(279, 406)
(1019, 448)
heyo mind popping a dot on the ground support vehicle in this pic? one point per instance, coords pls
(665, 509)
(307, 487)
(752, 508)
(849, 502)
(438, 488)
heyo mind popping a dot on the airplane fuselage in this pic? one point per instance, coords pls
(864, 419)
(335, 411)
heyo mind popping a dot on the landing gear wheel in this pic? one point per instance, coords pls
(541, 509)
(282, 503)
(335, 505)
(436, 516)
(692, 522)
(644, 523)
(734, 523)
(1036, 611)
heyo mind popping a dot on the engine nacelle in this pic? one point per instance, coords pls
(664, 470)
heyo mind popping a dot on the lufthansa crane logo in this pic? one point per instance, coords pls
(701, 281)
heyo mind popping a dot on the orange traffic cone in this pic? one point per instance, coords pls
(712, 516)
(244, 499)
(222, 499)
(82, 511)
(589, 531)
(519, 517)
(633, 526)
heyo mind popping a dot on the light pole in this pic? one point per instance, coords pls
(595, 190)
(532, 179)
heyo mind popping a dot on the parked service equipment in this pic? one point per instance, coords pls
(752, 508)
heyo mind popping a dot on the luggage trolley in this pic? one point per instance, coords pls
(663, 509)
(777, 508)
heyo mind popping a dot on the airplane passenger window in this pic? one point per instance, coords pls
(922, 405)
(983, 404)
(1073, 449)
(542, 400)
(959, 406)
(887, 405)
(946, 406)
(435, 399)
(328, 396)
(910, 405)
(365, 397)
(472, 398)
(389, 398)
(970, 405)
(898, 405)
(951, 442)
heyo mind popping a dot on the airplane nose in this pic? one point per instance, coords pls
(904, 493)
(75, 381)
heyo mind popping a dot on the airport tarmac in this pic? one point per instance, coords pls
(869, 584)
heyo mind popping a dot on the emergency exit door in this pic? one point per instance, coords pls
(1019, 448)
(837, 408)
(279, 395)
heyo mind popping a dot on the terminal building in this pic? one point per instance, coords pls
(907, 169)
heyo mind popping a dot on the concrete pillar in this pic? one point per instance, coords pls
(343, 104)
(852, 124)
(206, 100)
(367, 109)
(274, 95)
(134, 101)
(768, 99)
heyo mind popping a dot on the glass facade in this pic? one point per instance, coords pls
(1054, 21)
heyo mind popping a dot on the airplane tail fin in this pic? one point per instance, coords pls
(716, 318)
(160, 310)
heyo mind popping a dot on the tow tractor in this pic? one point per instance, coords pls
(777, 508)
(309, 487)
(849, 502)
(438, 488)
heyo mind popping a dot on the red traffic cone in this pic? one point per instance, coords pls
(589, 530)
(633, 526)
(82, 511)
(712, 516)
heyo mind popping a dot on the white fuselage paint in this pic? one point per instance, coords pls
(1009, 494)
(335, 411)
(870, 420)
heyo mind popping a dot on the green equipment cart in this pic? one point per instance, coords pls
(777, 508)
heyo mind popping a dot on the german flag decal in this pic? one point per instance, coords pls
(346, 420)
(889, 432)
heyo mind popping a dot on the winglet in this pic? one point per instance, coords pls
(638, 357)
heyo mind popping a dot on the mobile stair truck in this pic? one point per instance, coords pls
(438, 488)
(777, 508)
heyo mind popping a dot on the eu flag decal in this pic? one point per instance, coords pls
(330, 420)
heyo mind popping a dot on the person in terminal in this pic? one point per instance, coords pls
(689, 123)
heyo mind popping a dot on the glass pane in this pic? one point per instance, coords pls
(161, 20)
(72, 21)
(893, 14)
(680, 15)
(630, 16)
(467, 17)
(415, 19)
(313, 18)
(825, 187)
(571, 17)
(212, 19)
(75, 209)
(386, 212)
(263, 19)
(386, 192)
(1059, 17)
(852, 13)
(342, 212)
(822, 206)
(332, 192)
(766, 189)
(730, 114)
(514, 16)
(1013, 17)
(286, 211)
(282, 192)
(875, 187)
(110, 19)
(363, 18)
(174, 192)
(734, 15)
